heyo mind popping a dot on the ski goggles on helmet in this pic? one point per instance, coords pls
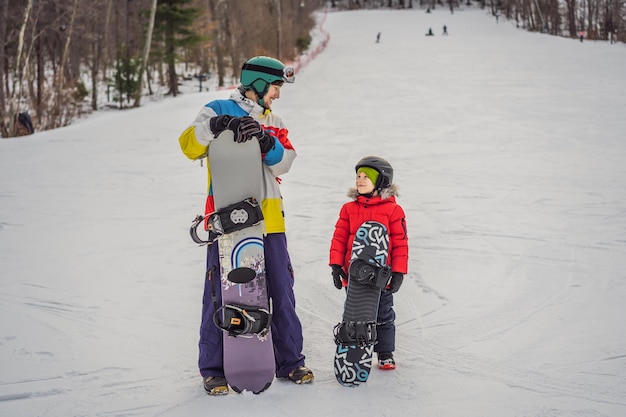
(288, 74)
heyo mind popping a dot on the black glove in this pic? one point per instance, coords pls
(266, 142)
(337, 275)
(249, 128)
(396, 281)
(218, 124)
(245, 128)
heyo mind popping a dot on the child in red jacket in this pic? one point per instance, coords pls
(374, 198)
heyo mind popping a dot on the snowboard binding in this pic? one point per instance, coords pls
(227, 220)
(242, 320)
(369, 274)
(355, 333)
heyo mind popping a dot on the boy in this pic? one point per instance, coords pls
(374, 198)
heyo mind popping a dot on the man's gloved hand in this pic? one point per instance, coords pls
(218, 124)
(395, 282)
(245, 128)
(266, 142)
(338, 273)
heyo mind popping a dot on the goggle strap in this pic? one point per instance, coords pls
(261, 68)
(272, 71)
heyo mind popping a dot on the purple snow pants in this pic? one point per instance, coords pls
(286, 327)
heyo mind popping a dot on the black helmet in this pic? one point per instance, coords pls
(385, 171)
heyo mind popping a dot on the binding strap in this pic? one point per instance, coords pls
(355, 333)
(239, 319)
(235, 217)
(369, 274)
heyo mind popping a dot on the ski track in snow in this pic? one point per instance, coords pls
(507, 148)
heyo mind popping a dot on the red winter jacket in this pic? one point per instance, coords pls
(383, 209)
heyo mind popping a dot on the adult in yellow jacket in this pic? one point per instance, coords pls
(248, 114)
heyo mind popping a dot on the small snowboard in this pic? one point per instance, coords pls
(355, 336)
(245, 314)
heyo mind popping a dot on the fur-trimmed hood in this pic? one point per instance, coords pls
(385, 193)
(383, 209)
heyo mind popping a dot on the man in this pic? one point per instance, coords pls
(248, 114)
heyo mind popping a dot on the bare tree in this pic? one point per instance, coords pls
(571, 17)
(63, 113)
(4, 11)
(146, 52)
(53, 54)
(15, 92)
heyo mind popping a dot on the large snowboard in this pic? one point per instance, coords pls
(236, 175)
(355, 336)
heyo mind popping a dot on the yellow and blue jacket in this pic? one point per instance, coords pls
(195, 140)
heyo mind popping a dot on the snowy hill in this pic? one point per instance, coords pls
(509, 152)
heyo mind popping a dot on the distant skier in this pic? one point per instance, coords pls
(445, 30)
(430, 32)
(581, 35)
(378, 38)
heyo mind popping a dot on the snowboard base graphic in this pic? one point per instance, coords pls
(355, 336)
(245, 314)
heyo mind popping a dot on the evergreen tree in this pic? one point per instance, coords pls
(127, 78)
(173, 22)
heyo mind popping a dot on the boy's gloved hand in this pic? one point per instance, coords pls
(338, 273)
(396, 281)
(218, 124)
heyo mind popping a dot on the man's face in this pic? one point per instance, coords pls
(272, 94)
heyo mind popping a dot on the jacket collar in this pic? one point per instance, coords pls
(385, 193)
(249, 106)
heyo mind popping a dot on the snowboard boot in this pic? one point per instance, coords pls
(385, 361)
(301, 375)
(215, 385)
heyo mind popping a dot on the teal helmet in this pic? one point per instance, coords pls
(259, 72)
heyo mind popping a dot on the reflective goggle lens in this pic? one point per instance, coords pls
(289, 74)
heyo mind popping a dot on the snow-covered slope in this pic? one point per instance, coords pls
(509, 152)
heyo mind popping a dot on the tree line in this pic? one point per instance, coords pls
(597, 19)
(59, 58)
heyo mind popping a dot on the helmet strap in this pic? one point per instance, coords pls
(369, 195)
(244, 90)
(261, 94)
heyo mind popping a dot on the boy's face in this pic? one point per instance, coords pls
(363, 184)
